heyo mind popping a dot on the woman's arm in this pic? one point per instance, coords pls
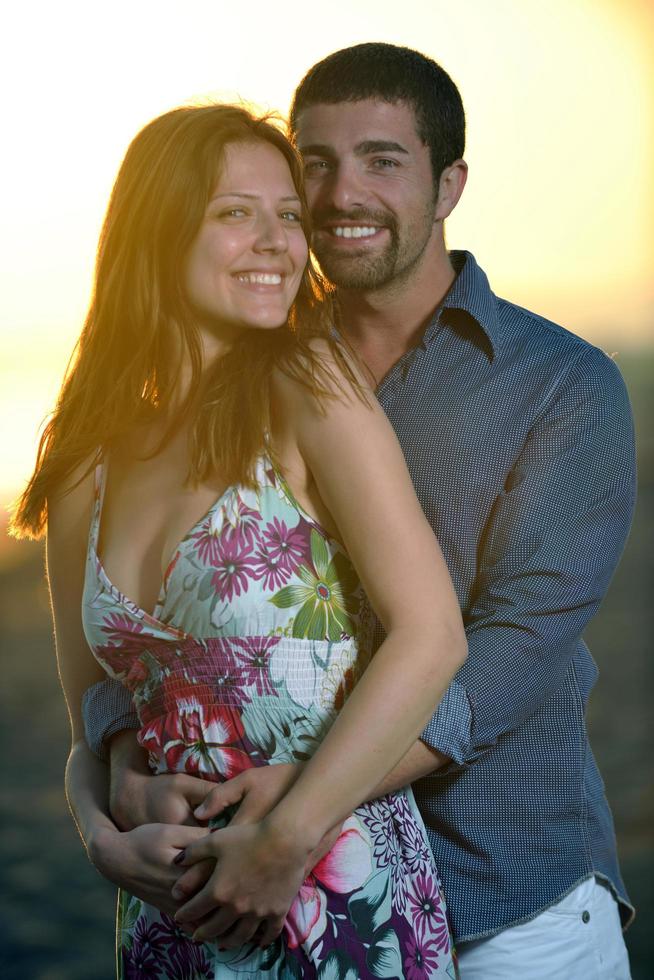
(358, 468)
(354, 459)
(141, 861)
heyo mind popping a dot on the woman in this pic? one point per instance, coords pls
(241, 486)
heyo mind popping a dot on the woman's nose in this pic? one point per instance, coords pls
(271, 235)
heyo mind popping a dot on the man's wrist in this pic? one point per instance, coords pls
(126, 753)
(101, 847)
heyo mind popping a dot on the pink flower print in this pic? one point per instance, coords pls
(126, 640)
(272, 569)
(169, 570)
(196, 735)
(206, 538)
(204, 744)
(426, 906)
(422, 960)
(253, 657)
(343, 869)
(137, 674)
(233, 566)
(218, 669)
(285, 545)
(124, 630)
(241, 522)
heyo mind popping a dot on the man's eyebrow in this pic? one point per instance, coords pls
(361, 149)
(378, 146)
(251, 197)
(316, 150)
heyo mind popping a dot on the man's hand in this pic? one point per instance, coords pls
(142, 860)
(137, 798)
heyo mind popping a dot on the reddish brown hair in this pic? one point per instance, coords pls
(127, 356)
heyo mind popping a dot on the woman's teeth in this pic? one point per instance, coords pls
(266, 278)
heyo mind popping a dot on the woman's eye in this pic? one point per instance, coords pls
(232, 213)
(293, 216)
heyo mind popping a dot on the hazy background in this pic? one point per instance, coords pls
(558, 210)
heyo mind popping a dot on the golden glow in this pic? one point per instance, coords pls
(560, 105)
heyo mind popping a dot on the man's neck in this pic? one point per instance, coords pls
(384, 324)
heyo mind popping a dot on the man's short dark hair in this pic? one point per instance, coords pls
(391, 74)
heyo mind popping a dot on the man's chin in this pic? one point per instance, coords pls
(352, 272)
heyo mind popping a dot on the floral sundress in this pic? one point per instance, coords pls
(249, 654)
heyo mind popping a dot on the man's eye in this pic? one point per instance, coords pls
(383, 163)
(314, 167)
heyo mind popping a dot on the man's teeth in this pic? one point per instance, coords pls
(266, 278)
(349, 232)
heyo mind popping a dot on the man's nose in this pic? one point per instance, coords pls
(344, 189)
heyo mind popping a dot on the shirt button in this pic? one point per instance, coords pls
(585, 916)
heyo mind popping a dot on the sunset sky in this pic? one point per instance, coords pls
(560, 104)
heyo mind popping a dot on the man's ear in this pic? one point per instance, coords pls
(450, 188)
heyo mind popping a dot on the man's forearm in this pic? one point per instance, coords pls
(419, 761)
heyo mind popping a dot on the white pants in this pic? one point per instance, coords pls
(579, 938)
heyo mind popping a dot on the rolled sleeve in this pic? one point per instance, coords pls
(450, 728)
(107, 708)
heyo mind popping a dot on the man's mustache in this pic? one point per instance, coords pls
(363, 216)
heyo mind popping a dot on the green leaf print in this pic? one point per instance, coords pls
(129, 909)
(283, 736)
(337, 966)
(370, 908)
(327, 599)
(319, 553)
(383, 957)
(206, 588)
(289, 596)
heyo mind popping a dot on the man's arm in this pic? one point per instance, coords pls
(550, 547)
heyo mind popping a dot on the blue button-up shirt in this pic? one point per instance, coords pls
(519, 439)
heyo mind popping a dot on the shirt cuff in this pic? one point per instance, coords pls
(107, 708)
(449, 729)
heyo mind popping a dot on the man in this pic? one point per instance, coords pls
(519, 440)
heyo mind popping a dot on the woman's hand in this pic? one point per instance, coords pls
(142, 860)
(258, 873)
(256, 791)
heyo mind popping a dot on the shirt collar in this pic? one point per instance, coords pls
(470, 294)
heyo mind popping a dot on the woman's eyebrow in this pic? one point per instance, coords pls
(251, 197)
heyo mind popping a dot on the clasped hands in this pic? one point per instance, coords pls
(239, 882)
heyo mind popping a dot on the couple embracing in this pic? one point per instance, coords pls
(247, 483)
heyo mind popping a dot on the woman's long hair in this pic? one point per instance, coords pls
(139, 325)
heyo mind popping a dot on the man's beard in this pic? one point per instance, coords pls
(362, 270)
(358, 270)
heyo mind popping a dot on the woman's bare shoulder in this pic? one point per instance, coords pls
(330, 372)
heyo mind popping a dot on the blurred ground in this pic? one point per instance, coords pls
(56, 913)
